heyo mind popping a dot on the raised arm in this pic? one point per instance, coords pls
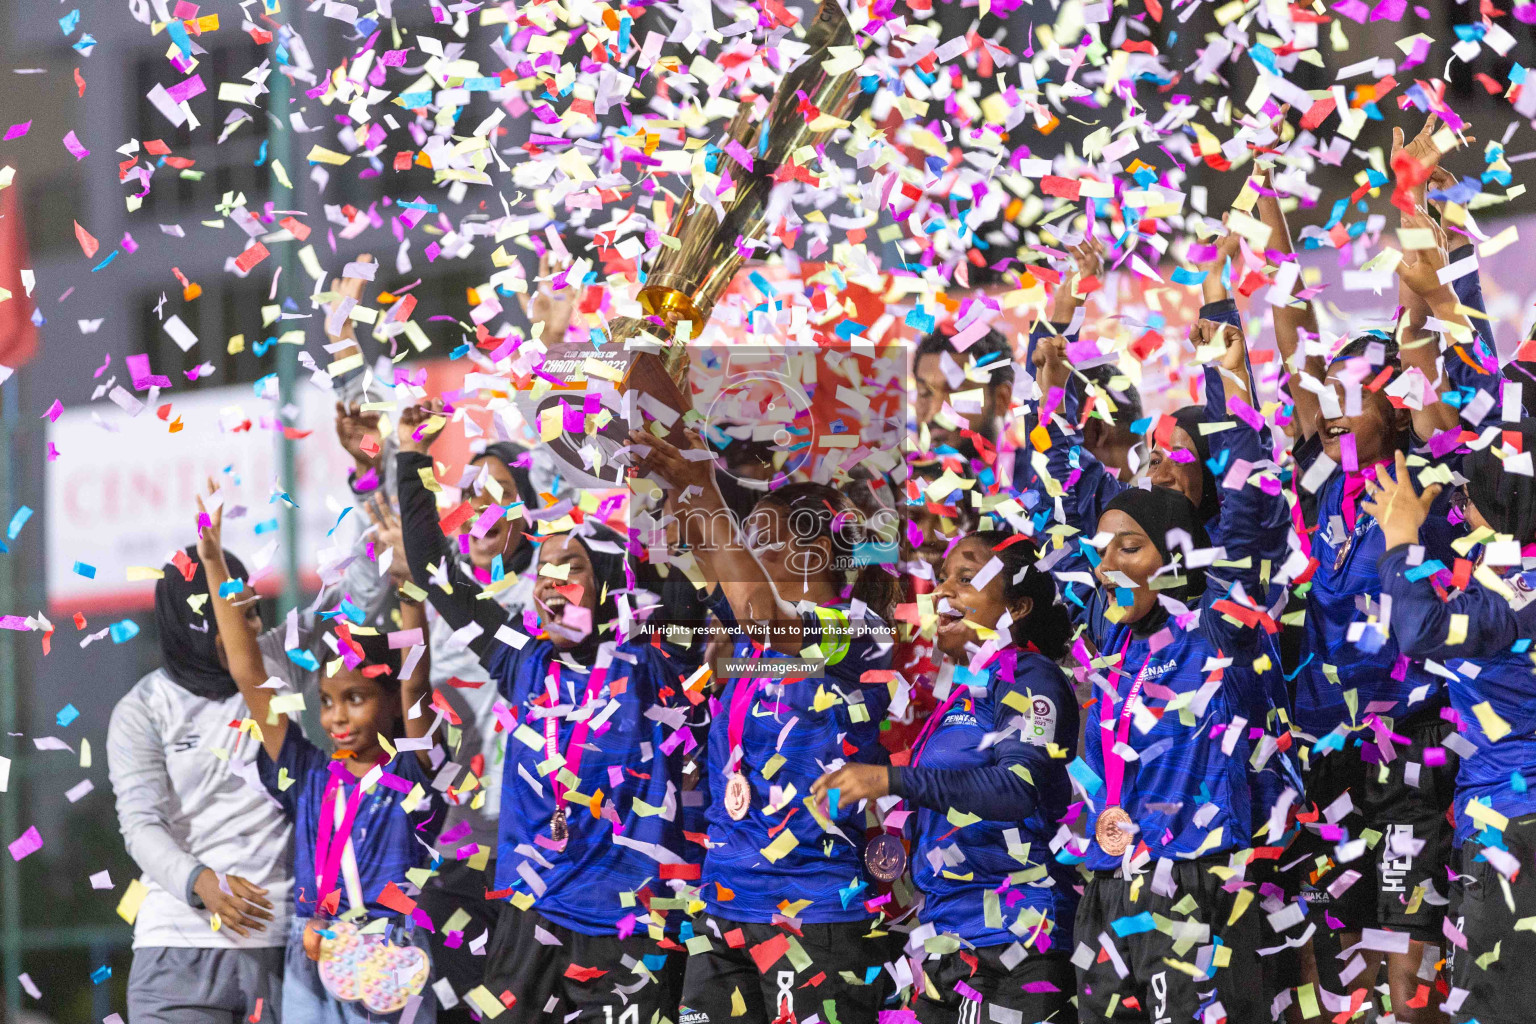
(1291, 322)
(416, 687)
(455, 594)
(240, 647)
(710, 529)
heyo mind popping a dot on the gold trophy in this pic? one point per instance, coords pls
(684, 283)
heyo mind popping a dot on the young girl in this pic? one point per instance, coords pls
(998, 749)
(490, 544)
(591, 842)
(1480, 633)
(1168, 784)
(363, 815)
(787, 926)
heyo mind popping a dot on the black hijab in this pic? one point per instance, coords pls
(515, 457)
(188, 640)
(1506, 500)
(607, 574)
(1189, 419)
(1158, 510)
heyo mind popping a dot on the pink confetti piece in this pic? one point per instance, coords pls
(28, 843)
(16, 131)
(76, 149)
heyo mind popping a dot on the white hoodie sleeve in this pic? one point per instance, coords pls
(142, 786)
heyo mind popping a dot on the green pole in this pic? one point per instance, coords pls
(280, 155)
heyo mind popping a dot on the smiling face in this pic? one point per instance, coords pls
(354, 711)
(1375, 428)
(552, 595)
(960, 603)
(793, 559)
(1175, 474)
(506, 536)
(1130, 551)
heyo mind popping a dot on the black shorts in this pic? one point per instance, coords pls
(999, 988)
(457, 887)
(1281, 964)
(1138, 969)
(559, 980)
(1504, 990)
(1415, 845)
(749, 975)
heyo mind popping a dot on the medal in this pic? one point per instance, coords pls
(738, 796)
(885, 858)
(1338, 560)
(738, 791)
(1113, 831)
(559, 824)
(1115, 828)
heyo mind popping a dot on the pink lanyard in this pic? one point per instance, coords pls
(736, 724)
(331, 839)
(935, 720)
(1114, 764)
(578, 731)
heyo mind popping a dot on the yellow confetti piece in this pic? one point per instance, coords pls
(1494, 727)
(485, 1002)
(133, 898)
(144, 572)
(784, 842)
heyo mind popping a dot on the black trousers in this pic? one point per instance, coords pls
(555, 974)
(998, 986)
(1504, 989)
(1142, 977)
(752, 967)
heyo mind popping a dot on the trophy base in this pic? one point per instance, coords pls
(648, 375)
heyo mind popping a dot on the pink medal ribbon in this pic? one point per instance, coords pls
(935, 720)
(572, 748)
(1114, 764)
(331, 839)
(736, 725)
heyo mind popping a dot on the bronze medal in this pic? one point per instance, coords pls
(1113, 831)
(885, 858)
(1338, 560)
(738, 796)
(557, 826)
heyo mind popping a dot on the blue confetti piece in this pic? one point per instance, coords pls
(70, 22)
(428, 207)
(104, 262)
(18, 521)
(101, 974)
(848, 328)
(1186, 276)
(304, 659)
(1087, 779)
(68, 713)
(86, 42)
(178, 33)
(229, 588)
(261, 154)
(353, 612)
(266, 527)
(498, 571)
(1517, 782)
(1135, 924)
(625, 23)
(122, 632)
(415, 99)
(339, 518)
(920, 320)
(88, 571)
